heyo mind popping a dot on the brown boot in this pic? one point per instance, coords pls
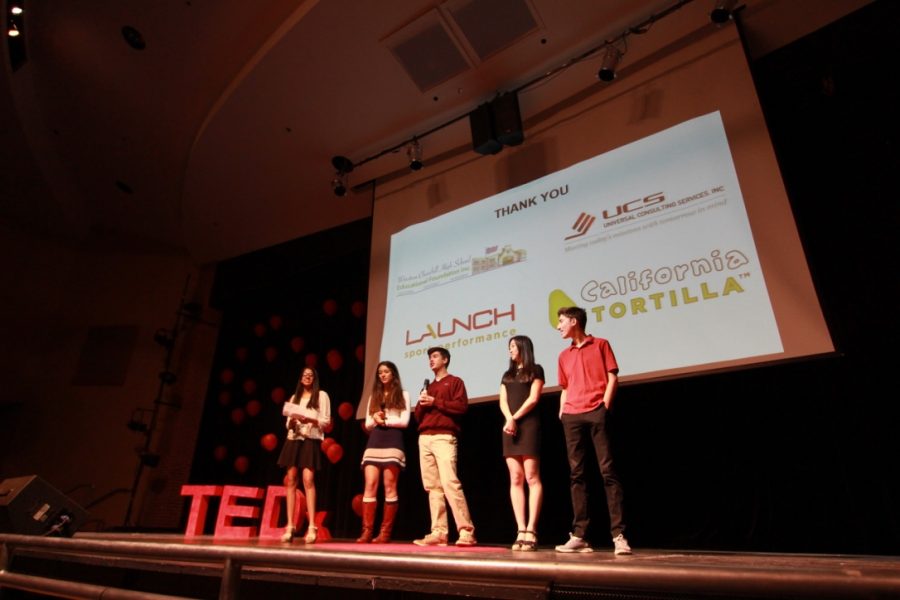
(368, 518)
(387, 523)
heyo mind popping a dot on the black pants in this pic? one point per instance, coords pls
(581, 430)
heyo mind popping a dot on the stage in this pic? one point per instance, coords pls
(91, 565)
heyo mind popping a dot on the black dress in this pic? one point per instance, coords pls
(527, 441)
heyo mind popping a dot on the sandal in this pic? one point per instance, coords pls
(520, 539)
(529, 545)
(311, 534)
(288, 534)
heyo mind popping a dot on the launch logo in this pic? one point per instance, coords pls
(482, 319)
(582, 225)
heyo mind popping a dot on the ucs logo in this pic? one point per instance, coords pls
(582, 225)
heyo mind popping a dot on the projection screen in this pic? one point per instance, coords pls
(656, 205)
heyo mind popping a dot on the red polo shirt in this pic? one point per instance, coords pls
(582, 372)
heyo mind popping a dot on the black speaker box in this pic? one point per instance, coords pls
(507, 120)
(31, 506)
(481, 123)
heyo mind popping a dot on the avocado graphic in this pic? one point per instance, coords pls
(557, 300)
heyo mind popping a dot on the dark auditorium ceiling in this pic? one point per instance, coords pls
(216, 138)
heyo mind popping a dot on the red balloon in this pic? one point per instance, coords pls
(330, 307)
(360, 353)
(224, 397)
(356, 504)
(249, 386)
(271, 354)
(326, 444)
(241, 353)
(253, 407)
(269, 441)
(241, 464)
(334, 359)
(278, 395)
(227, 376)
(297, 344)
(358, 309)
(220, 452)
(311, 360)
(259, 329)
(335, 453)
(237, 416)
(345, 410)
(275, 322)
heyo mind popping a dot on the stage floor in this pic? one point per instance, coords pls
(481, 571)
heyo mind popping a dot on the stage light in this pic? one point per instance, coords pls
(342, 166)
(149, 459)
(168, 377)
(12, 31)
(611, 59)
(137, 423)
(339, 184)
(164, 338)
(722, 12)
(414, 154)
(15, 10)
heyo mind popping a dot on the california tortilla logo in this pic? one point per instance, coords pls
(557, 300)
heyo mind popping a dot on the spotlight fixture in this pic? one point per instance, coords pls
(164, 338)
(343, 166)
(611, 59)
(149, 459)
(722, 12)
(414, 154)
(339, 184)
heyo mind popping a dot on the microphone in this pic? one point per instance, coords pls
(425, 385)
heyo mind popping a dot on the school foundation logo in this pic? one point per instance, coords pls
(581, 226)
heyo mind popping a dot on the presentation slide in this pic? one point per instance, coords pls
(652, 239)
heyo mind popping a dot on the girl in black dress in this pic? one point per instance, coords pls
(520, 390)
(387, 415)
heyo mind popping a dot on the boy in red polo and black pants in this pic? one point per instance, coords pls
(588, 377)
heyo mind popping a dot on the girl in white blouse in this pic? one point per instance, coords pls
(308, 413)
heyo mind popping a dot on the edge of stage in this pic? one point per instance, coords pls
(38, 565)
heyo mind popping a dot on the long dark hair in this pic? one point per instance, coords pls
(526, 353)
(395, 398)
(313, 390)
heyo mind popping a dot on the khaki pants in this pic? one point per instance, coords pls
(437, 460)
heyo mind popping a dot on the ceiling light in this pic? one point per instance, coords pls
(722, 12)
(607, 70)
(16, 10)
(414, 154)
(13, 31)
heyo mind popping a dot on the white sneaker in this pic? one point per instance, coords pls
(432, 539)
(466, 538)
(622, 546)
(575, 544)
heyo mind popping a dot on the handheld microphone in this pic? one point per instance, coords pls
(425, 385)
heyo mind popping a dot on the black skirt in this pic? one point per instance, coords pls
(303, 454)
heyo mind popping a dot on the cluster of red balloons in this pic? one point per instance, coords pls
(332, 450)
